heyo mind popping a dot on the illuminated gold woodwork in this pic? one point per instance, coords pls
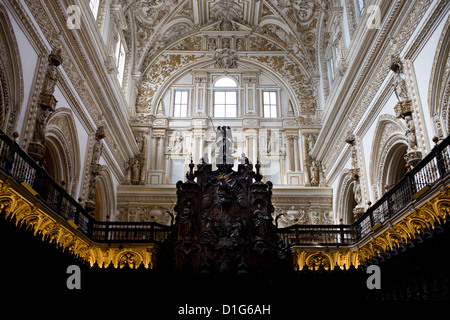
(26, 209)
(391, 232)
(29, 211)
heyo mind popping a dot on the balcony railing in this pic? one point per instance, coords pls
(431, 169)
(18, 164)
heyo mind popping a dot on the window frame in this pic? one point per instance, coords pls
(271, 105)
(174, 105)
(225, 89)
(220, 90)
(120, 59)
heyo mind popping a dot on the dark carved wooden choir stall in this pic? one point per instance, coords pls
(224, 218)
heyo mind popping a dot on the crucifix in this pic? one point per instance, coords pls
(224, 143)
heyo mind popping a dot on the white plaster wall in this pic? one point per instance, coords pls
(423, 65)
(29, 59)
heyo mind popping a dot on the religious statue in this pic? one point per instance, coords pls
(177, 144)
(224, 143)
(240, 44)
(136, 171)
(51, 76)
(314, 174)
(212, 44)
(311, 141)
(41, 121)
(400, 89)
(261, 221)
(411, 132)
(186, 222)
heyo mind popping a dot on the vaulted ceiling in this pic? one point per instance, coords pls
(154, 25)
(166, 36)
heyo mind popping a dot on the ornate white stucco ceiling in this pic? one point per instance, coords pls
(155, 24)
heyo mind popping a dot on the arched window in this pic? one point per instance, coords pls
(225, 82)
(120, 55)
(225, 98)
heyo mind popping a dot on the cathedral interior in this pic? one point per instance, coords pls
(276, 149)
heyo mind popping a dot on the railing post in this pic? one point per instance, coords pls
(90, 228)
(440, 163)
(59, 204)
(342, 234)
(296, 235)
(106, 230)
(152, 232)
(389, 205)
(77, 215)
(10, 157)
(371, 217)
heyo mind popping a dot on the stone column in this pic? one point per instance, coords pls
(153, 152)
(289, 162)
(296, 154)
(255, 149)
(160, 157)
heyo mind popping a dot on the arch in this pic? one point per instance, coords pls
(345, 198)
(63, 151)
(158, 92)
(104, 196)
(386, 157)
(225, 82)
(439, 86)
(11, 76)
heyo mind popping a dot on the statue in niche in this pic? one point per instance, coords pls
(226, 43)
(269, 141)
(140, 141)
(135, 171)
(314, 173)
(212, 44)
(177, 144)
(411, 132)
(240, 44)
